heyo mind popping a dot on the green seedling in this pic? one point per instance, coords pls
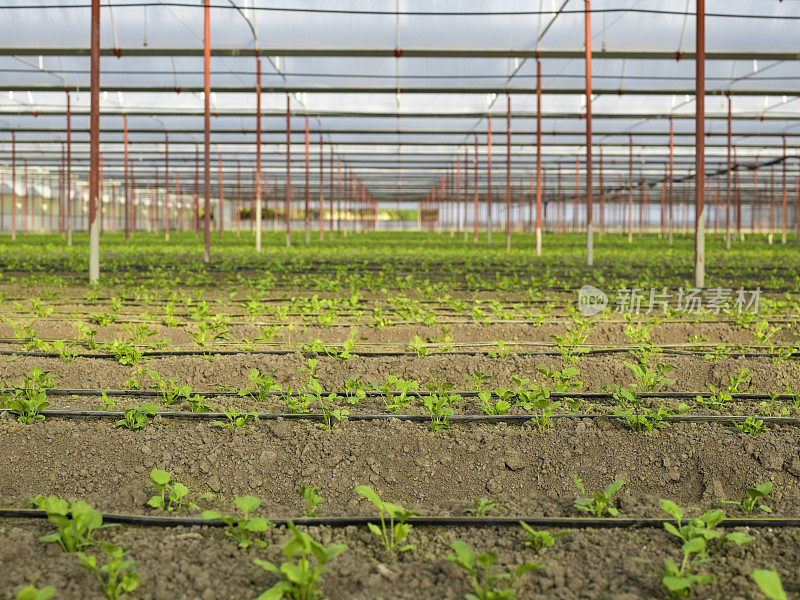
(236, 420)
(299, 576)
(74, 531)
(756, 497)
(140, 333)
(331, 416)
(539, 541)
(500, 407)
(717, 399)
(108, 403)
(487, 586)
(243, 530)
(751, 426)
(419, 347)
(703, 527)
(118, 576)
(174, 497)
(771, 409)
(769, 582)
(638, 417)
(31, 593)
(477, 380)
(649, 380)
(313, 500)
(354, 391)
(27, 403)
(501, 351)
(396, 403)
(396, 530)
(135, 418)
(740, 381)
(197, 403)
(263, 382)
(169, 389)
(482, 507)
(126, 353)
(67, 350)
(597, 503)
(295, 403)
(439, 404)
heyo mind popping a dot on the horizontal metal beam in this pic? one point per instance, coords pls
(514, 91)
(406, 53)
(115, 112)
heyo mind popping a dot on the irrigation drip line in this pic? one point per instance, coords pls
(410, 394)
(432, 521)
(455, 419)
(311, 354)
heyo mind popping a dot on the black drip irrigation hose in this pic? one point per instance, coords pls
(456, 419)
(549, 522)
(410, 394)
(309, 354)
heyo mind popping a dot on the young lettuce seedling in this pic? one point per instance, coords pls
(135, 418)
(31, 593)
(755, 499)
(540, 540)
(439, 404)
(393, 533)
(243, 530)
(299, 577)
(236, 420)
(500, 407)
(74, 532)
(264, 384)
(598, 503)
(769, 582)
(313, 500)
(486, 585)
(751, 426)
(172, 497)
(118, 576)
(482, 507)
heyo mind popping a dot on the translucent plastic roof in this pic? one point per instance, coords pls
(353, 102)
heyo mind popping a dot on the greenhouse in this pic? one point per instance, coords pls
(399, 299)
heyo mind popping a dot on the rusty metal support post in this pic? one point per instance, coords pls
(700, 165)
(258, 216)
(69, 171)
(13, 185)
(321, 191)
(94, 147)
(305, 214)
(475, 192)
(670, 179)
(783, 225)
(489, 180)
(588, 60)
(287, 205)
(508, 171)
(125, 181)
(166, 186)
(221, 199)
(207, 125)
(728, 184)
(538, 157)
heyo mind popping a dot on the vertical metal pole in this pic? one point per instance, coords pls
(221, 199)
(166, 187)
(125, 181)
(94, 147)
(588, 28)
(69, 172)
(783, 225)
(258, 217)
(670, 179)
(287, 205)
(489, 179)
(321, 191)
(13, 186)
(475, 198)
(728, 184)
(306, 216)
(195, 207)
(602, 197)
(538, 157)
(207, 125)
(699, 198)
(630, 189)
(508, 171)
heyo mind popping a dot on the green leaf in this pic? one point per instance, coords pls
(769, 582)
(247, 504)
(369, 494)
(669, 507)
(486, 559)
(464, 552)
